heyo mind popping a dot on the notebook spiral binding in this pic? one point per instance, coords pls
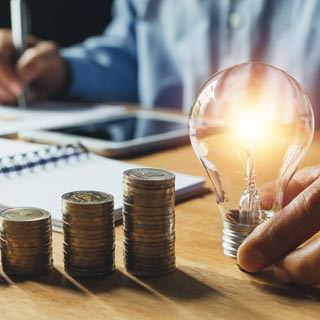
(41, 158)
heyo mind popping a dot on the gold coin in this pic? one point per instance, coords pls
(145, 229)
(142, 187)
(148, 238)
(106, 219)
(167, 193)
(76, 240)
(147, 203)
(102, 227)
(128, 207)
(27, 263)
(151, 252)
(87, 197)
(147, 255)
(16, 235)
(24, 214)
(89, 254)
(147, 221)
(88, 210)
(76, 248)
(24, 228)
(82, 259)
(23, 244)
(97, 236)
(94, 207)
(88, 229)
(22, 254)
(106, 227)
(8, 269)
(24, 240)
(6, 246)
(91, 273)
(155, 219)
(163, 245)
(74, 233)
(148, 176)
(91, 245)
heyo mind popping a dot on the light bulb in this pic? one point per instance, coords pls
(250, 126)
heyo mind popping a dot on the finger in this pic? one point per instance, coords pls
(300, 266)
(284, 232)
(7, 50)
(6, 97)
(9, 81)
(32, 41)
(301, 180)
(35, 60)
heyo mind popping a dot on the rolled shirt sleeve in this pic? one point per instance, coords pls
(105, 67)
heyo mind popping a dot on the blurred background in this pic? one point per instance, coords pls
(64, 21)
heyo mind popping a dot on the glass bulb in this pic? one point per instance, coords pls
(250, 126)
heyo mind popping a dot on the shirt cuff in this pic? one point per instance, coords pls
(84, 80)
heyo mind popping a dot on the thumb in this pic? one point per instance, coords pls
(34, 62)
(284, 232)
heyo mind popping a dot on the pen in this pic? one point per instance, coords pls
(19, 26)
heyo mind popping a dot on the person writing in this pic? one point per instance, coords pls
(159, 53)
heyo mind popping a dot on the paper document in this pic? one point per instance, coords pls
(47, 115)
(44, 186)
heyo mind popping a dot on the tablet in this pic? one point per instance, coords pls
(126, 135)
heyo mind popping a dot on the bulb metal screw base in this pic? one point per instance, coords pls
(235, 232)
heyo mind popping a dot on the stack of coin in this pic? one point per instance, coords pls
(149, 222)
(88, 227)
(26, 241)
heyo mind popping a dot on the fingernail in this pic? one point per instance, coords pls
(250, 259)
(281, 273)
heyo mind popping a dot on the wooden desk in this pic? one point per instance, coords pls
(207, 285)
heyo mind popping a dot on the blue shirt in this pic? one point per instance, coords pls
(160, 52)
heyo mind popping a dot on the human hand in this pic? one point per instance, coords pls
(275, 242)
(41, 66)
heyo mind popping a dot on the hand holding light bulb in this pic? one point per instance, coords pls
(250, 126)
(274, 242)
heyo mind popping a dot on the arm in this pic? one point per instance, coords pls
(105, 67)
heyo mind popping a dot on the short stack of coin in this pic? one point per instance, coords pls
(149, 222)
(26, 241)
(88, 227)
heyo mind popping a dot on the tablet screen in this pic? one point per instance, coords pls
(123, 129)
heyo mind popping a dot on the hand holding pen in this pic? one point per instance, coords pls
(40, 66)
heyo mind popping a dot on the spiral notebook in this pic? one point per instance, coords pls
(33, 175)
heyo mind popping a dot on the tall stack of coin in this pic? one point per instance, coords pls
(149, 222)
(26, 241)
(88, 227)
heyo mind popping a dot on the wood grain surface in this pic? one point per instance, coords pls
(206, 285)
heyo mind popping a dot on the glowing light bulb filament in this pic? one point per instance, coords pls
(250, 201)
